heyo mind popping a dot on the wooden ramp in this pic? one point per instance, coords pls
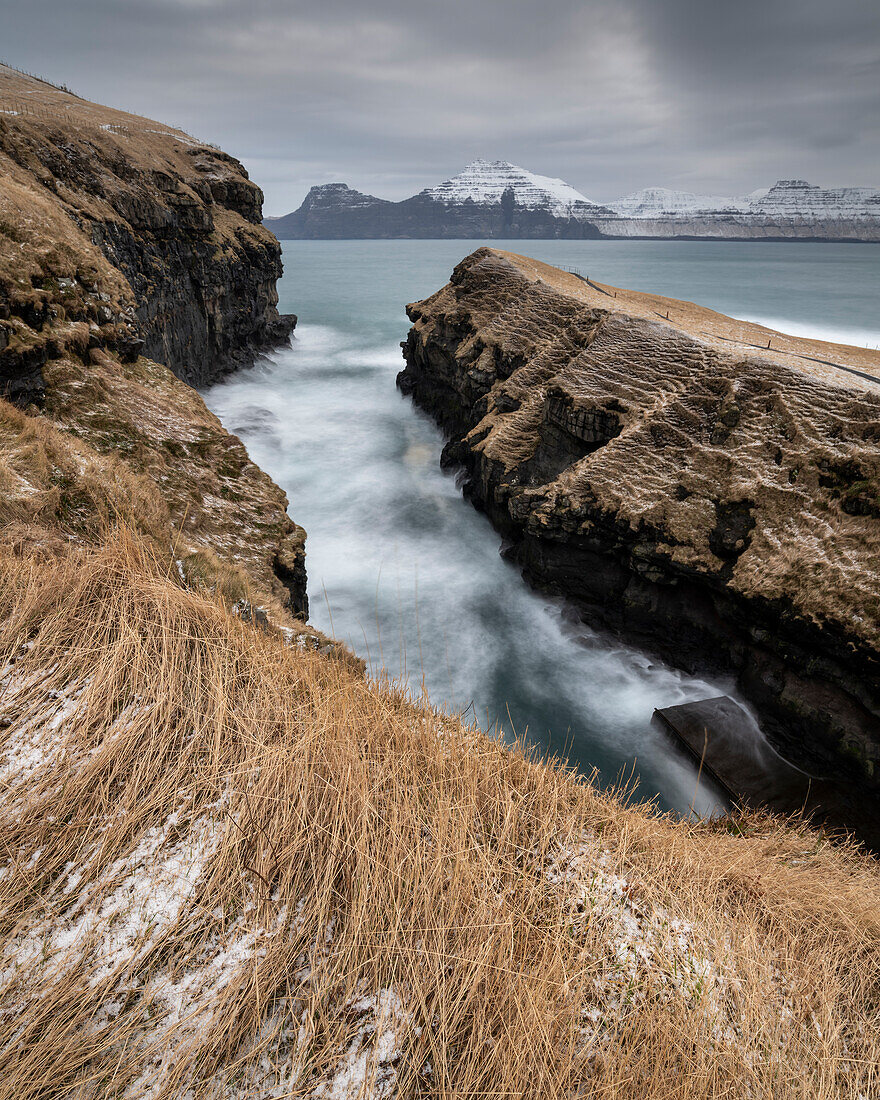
(726, 741)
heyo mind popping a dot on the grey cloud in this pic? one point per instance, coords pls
(610, 94)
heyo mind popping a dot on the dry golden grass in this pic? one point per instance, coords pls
(50, 479)
(193, 488)
(725, 334)
(234, 868)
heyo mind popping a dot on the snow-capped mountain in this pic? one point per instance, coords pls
(485, 181)
(790, 209)
(652, 201)
(497, 199)
(801, 199)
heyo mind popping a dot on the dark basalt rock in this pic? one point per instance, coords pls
(590, 439)
(189, 242)
(728, 746)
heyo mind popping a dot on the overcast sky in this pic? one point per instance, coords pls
(715, 96)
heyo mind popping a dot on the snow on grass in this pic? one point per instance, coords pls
(184, 140)
(39, 742)
(114, 922)
(368, 1067)
(648, 947)
(140, 935)
(184, 1005)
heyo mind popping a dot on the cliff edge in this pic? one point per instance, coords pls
(707, 487)
(132, 262)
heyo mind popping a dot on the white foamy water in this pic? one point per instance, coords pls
(402, 568)
(814, 330)
(408, 574)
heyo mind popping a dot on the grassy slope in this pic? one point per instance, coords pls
(232, 867)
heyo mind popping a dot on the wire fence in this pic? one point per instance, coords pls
(16, 105)
(21, 108)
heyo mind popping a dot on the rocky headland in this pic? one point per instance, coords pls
(133, 265)
(706, 487)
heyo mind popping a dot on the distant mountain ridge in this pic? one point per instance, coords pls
(497, 199)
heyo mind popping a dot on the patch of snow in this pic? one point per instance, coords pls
(649, 947)
(39, 742)
(367, 1069)
(110, 930)
(177, 137)
(486, 181)
(298, 638)
(653, 201)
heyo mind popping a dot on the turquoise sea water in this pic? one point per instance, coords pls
(409, 574)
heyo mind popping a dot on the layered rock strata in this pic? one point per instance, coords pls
(132, 262)
(705, 487)
(178, 219)
(336, 212)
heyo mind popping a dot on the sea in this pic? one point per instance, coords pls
(407, 573)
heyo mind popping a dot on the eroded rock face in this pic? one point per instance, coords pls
(711, 502)
(180, 220)
(132, 262)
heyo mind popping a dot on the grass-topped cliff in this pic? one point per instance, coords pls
(131, 257)
(178, 221)
(707, 487)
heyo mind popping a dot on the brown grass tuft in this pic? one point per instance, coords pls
(234, 868)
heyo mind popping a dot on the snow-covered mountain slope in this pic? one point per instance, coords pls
(485, 181)
(800, 199)
(790, 209)
(785, 199)
(791, 201)
(652, 201)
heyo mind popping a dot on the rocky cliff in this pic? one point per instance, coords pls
(496, 199)
(132, 257)
(706, 487)
(178, 219)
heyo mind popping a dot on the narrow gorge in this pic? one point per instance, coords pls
(234, 866)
